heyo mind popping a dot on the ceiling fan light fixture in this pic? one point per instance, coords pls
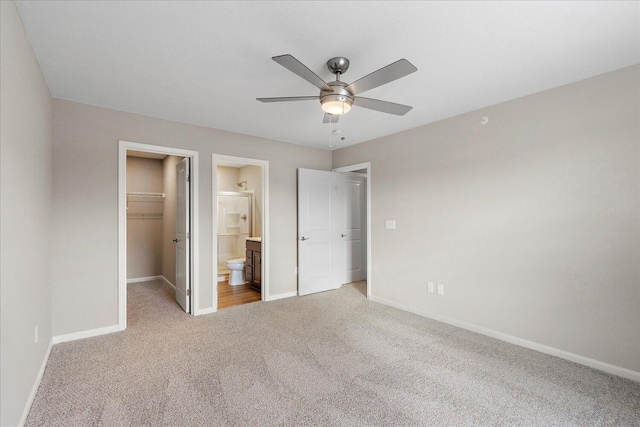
(336, 104)
(337, 97)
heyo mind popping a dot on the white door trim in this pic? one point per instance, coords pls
(123, 146)
(217, 159)
(367, 167)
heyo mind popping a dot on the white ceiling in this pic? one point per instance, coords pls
(204, 63)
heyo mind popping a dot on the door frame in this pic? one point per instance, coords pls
(352, 168)
(123, 147)
(221, 160)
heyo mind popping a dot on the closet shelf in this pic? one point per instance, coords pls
(145, 205)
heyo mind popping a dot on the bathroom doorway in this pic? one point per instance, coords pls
(157, 193)
(240, 215)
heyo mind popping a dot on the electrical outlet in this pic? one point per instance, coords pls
(36, 335)
(440, 289)
(390, 224)
(430, 287)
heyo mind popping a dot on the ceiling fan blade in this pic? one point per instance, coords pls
(297, 67)
(330, 118)
(384, 106)
(382, 76)
(288, 98)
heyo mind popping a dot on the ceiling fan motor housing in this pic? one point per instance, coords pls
(340, 98)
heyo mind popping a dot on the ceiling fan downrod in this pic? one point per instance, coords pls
(338, 100)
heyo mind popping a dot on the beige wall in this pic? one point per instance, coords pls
(145, 175)
(25, 216)
(227, 178)
(169, 220)
(144, 235)
(531, 221)
(85, 250)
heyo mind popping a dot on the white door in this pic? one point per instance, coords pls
(183, 256)
(353, 230)
(318, 234)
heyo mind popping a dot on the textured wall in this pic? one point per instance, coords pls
(25, 216)
(85, 252)
(530, 221)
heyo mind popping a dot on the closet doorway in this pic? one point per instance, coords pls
(158, 222)
(333, 228)
(240, 224)
(363, 170)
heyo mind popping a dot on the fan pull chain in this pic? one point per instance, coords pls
(330, 131)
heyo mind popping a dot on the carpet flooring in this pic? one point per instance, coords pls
(329, 359)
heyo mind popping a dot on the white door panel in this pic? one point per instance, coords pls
(352, 260)
(318, 260)
(331, 230)
(183, 258)
(318, 200)
(353, 231)
(318, 236)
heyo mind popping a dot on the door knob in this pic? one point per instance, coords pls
(304, 238)
(175, 240)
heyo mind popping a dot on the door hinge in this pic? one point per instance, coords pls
(188, 235)
(188, 178)
(189, 292)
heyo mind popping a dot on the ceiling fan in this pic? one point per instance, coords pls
(338, 97)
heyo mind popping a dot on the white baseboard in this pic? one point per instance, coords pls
(149, 279)
(582, 360)
(281, 296)
(85, 334)
(205, 311)
(144, 279)
(36, 385)
(167, 281)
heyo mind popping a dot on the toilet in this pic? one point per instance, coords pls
(236, 265)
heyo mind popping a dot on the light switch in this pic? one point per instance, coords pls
(391, 224)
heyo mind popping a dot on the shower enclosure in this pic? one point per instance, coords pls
(234, 226)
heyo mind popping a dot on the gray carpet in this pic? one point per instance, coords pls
(330, 359)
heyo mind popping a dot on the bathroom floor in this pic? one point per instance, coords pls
(229, 296)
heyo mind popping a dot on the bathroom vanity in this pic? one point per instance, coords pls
(253, 265)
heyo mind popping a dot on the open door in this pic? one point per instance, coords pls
(353, 232)
(332, 247)
(319, 246)
(183, 236)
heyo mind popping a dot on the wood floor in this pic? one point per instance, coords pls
(228, 296)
